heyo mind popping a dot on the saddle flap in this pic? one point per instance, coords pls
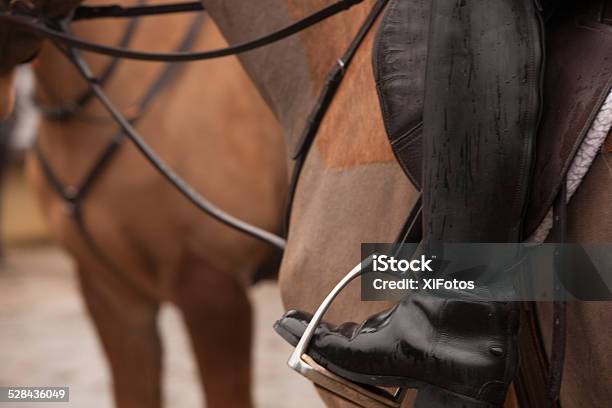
(577, 81)
(399, 59)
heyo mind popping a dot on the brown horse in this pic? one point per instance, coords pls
(209, 125)
(352, 191)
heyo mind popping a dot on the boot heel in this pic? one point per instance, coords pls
(435, 397)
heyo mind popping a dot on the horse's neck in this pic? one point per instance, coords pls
(58, 83)
(290, 73)
(71, 147)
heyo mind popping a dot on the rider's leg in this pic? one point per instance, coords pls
(481, 112)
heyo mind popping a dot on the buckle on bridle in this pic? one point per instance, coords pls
(341, 65)
(361, 395)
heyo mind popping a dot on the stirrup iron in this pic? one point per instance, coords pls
(362, 395)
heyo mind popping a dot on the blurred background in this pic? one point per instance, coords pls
(46, 337)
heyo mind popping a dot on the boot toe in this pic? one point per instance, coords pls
(291, 326)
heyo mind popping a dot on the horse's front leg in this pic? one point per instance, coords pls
(217, 313)
(127, 326)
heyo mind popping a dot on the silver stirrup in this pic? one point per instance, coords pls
(370, 397)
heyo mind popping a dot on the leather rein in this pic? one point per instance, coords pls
(42, 28)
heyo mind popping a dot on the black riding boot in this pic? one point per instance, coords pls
(480, 120)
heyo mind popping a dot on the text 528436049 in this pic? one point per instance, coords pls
(34, 394)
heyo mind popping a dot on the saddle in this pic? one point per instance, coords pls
(577, 79)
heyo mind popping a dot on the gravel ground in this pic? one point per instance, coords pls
(46, 338)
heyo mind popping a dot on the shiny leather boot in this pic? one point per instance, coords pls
(449, 349)
(481, 113)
